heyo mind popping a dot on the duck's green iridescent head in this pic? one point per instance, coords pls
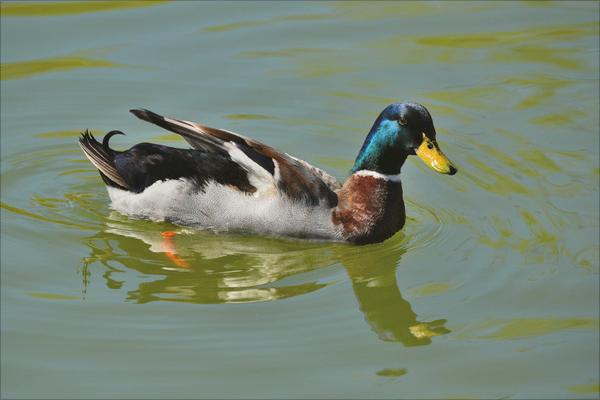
(402, 129)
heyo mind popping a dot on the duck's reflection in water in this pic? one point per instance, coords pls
(373, 279)
(205, 268)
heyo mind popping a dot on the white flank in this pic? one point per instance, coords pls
(391, 178)
(221, 207)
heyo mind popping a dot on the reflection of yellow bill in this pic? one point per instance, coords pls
(431, 155)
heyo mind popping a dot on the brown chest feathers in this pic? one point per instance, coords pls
(370, 209)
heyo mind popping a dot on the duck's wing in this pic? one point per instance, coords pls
(294, 177)
(144, 164)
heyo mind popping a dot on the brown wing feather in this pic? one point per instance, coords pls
(297, 179)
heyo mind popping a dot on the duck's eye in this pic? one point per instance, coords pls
(402, 121)
(429, 145)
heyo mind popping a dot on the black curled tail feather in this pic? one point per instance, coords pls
(106, 139)
(102, 157)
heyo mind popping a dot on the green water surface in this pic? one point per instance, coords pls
(490, 291)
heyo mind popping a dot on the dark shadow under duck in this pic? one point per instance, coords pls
(230, 182)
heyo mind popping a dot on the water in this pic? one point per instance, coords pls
(490, 291)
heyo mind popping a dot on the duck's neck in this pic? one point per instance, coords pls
(384, 165)
(380, 152)
(370, 207)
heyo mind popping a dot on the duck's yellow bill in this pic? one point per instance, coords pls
(433, 157)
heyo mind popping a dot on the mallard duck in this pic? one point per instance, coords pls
(231, 182)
